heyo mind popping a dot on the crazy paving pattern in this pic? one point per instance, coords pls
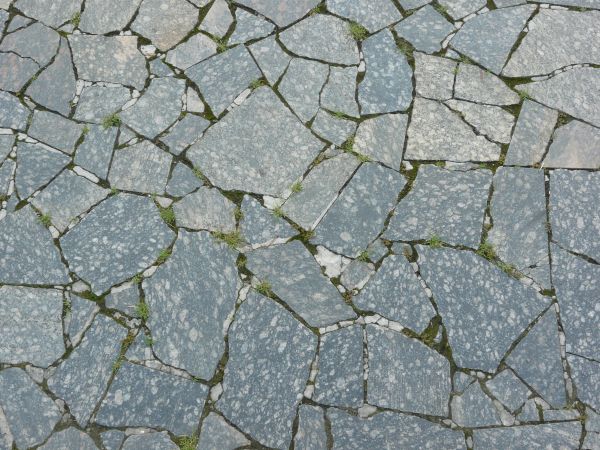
(337, 224)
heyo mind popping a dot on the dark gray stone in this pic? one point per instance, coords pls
(218, 434)
(55, 130)
(301, 86)
(51, 12)
(281, 13)
(261, 226)
(311, 433)
(36, 166)
(382, 139)
(12, 113)
(372, 14)
(586, 376)
(104, 16)
(182, 181)
(197, 48)
(96, 150)
(16, 71)
(68, 439)
(507, 388)
(99, 102)
(339, 93)
(36, 42)
(249, 27)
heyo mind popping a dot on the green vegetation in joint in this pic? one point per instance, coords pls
(263, 287)
(148, 341)
(111, 121)
(441, 8)
(348, 145)
(297, 187)
(163, 255)
(318, 9)
(45, 220)
(137, 279)
(238, 214)
(509, 269)
(117, 364)
(357, 31)
(67, 306)
(364, 256)
(233, 239)
(187, 442)
(440, 163)
(3, 197)
(198, 173)
(258, 83)
(85, 130)
(434, 241)
(113, 191)
(362, 158)
(523, 94)
(278, 212)
(486, 250)
(142, 310)
(168, 215)
(221, 44)
(307, 235)
(76, 19)
(404, 48)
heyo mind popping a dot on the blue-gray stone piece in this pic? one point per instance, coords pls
(473, 408)
(70, 438)
(218, 434)
(53, 13)
(98, 102)
(507, 388)
(96, 150)
(6, 145)
(281, 13)
(12, 113)
(301, 86)
(149, 441)
(425, 29)
(248, 27)
(382, 139)
(184, 133)
(206, 209)
(260, 226)
(575, 145)
(586, 376)
(104, 16)
(311, 433)
(79, 317)
(270, 57)
(36, 166)
(556, 435)
(119, 238)
(331, 128)
(270, 354)
(37, 42)
(339, 380)
(197, 48)
(124, 298)
(387, 85)
(112, 439)
(55, 130)
(182, 181)
(339, 93)
(372, 14)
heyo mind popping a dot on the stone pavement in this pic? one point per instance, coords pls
(299, 224)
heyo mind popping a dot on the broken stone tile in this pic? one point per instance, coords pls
(69, 438)
(248, 27)
(489, 37)
(159, 68)
(98, 102)
(390, 430)
(575, 145)
(574, 211)
(311, 295)
(55, 130)
(218, 19)
(190, 298)
(311, 433)
(339, 380)
(405, 374)
(270, 57)
(197, 48)
(16, 71)
(182, 181)
(51, 12)
(36, 42)
(436, 132)
(6, 145)
(165, 22)
(301, 86)
(260, 226)
(338, 95)
(80, 317)
(387, 86)
(545, 49)
(571, 92)
(531, 135)
(476, 85)
(471, 294)
(382, 139)
(119, 238)
(359, 213)
(124, 298)
(37, 165)
(413, 4)
(586, 376)
(458, 9)
(395, 293)
(184, 133)
(577, 284)
(281, 14)
(507, 388)
(30, 414)
(492, 121)
(434, 76)
(372, 14)
(12, 113)
(456, 203)
(157, 109)
(263, 128)
(32, 327)
(216, 433)
(425, 29)
(224, 76)
(473, 408)
(529, 412)
(121, 61)
(81, 379)
(556, 435)
(518, 210)
(334, 129)
(332, 43)
(206, 209)
(270, 354)
(96, 150)
(142, 167)
(6, 176)
(104, 16)
(193, 102)
(149, 441)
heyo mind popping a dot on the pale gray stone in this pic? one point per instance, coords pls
(339, 94)
(96, 150)
(586, 376)
(104, 16)
(218, 19)
(301, 86)
(269, 358)
(197, 48)
(70, 438)
(491, 121)
(21, 71)
(36, 166)
(434, 76)
(6, 145)
(260, 226)
(575, 145)
(119, 238)
(556, 435)
(484, 310)
(507, 388)
(425, 29)
(218, 434)
(12, 113)
(311, 433)
(206, 209)
(80, 317)
(271, 59)
(281, 13)
(184, 133)
(159, 68)
(182, 181)
(99, 102)
(55, 130)
(36, 42)
(413, 4)
(149, 441)
(124, 298)
(372, 14)
(356, 274)
(334, 129)
(461, 8)
(477, 85)
(382, 139)
(529, 412)
(51, 12)
(249, 27)
(473, 408)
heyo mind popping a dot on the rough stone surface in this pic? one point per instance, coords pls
(216, 433)
(301, 86)
(270, 57)
(37, 165)
(311, 433)
(104, 16)
(477, 85)
(372, 14)
(382, 139)
(556, 435)
(13, 113)
(575, 145)
(281, 14)
(206, 209)
(425, 29)
(96, 151)
(261, 226)
(55, 130)
(69, 438)
(149, 441)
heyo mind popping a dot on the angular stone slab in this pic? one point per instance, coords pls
(477, 85)
(339, 379)
(104, 16)
(471, 295)
(339, 94)
(507, 388)
(122, 62)
(216, 433)
(182, 181)
(434, 76)
(249, 27)
(425, 29)
(311, 433)
(281, 14)
(372, 14)
(12, 113)
(586, 376)
(197, 48)
(98, 102)
(575, 145)
(270, 354)
(387, 85)
(262, 127)
(37, 165)
(81, 379)
(382, 139)
(185, 132)
(16, 71)
(359, 213)
(298, 281)
(31, 415)
(261, 226)
(80, 317)
(55, 130)
(27, 253)
(218, 19)
(190, 297)
(405, 374)
(51, 12)
(301, 86)
(456, 203)
(206, 209)
(96, 151)
(491, 121)
(473, 408)
(270, 57)
(149, 441)
(119, 238)
(555, 435)
(69, 438)
(518, 210)
(461, 8)
(332, 128)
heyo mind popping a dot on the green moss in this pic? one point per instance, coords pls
(364, 256)
(111, 121)
(187, 442)
(278, 212)
(76, 19)
(168, 215)
(434, 241)
(137, 279)
(486, 250)
(258, 83)
(163, 255)
(45, 220)
(233, 239)
(198, 173)
(263, 287)
(238, 214)
(348, 145)
(357, 31)
(297, 187)
(142, 310)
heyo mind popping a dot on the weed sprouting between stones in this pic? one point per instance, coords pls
(45, 220)
(434, 241)
(142, 310)
(187, 442)
(486, 250)
(357, 31)
(163, 255)
(111, 121)
(168, 215)
(364, 256)
(297, 187)
(233, 239)
(263, 287)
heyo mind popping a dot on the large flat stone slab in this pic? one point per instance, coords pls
(556, 435)
(372, 14)
(69, 438)
(36, 166)
(575, 145)
(216, 433)
(104, 16)
(281, 13)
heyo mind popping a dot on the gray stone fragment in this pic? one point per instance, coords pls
(124, 298)
(195, 49)
(99, 102)
(334, 129)
(339, 93)
(356, 274)
(531, 135)
(311, 433)
(182, 181)
(507, 388)
(575, 145)
(372, 14)
(557, 435)
(121, 61)
(456, 203)
(218, 19)
(165, 22)
(382, 139)
(436, 132)
(310, 294)
(458, 9)
(472, 294)
(260, 226)
(119, 238)
(387, 86)
(529, 412)
(70, 438)
(31, 329)
(27, 253)
(6, 145)
(12, 113)
(80, 317)
(492, 121)
(271, 59)
(218, 434)
(301, 86)
(281, 13)
(104, 16)
(190, 297)
(477, 85)
(474, 408)
(149, 441)
(96, 150)
(36, 42)
(249, 27)
(269, 358)
(55, 130)
(157, 109)
(425, 29)
(21, 70)
(434, 76)
(37, 165)
(489, 37)
(81, 379)
(184, 133)
(359, 213)
(339, 380)
(259, 147)
(574, 211)
(51, 12)
(142, 167)
(206, 209)
(586, 376)
(159, 68)
(224, 76)
(461, 381)
(518, 210)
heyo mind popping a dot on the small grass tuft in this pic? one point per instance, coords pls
(258, 83)
(434, 241)
(297, 187)
(111, 121)
(45, 220)
(509, 269)
(362, 158)
(187, 442)
(523, 94)
(357, 31)
(163, 255)
(440, 163)
(198, 173)
(278, 212)
(142, 310)
(238, 214)
(364, 256)
(317, 9)
(113, 191)
(348, 145)
(85, 130)
(263, 287)
(148, 341)
(168, 215)
(76, 19)
(307, 235)
(221, 44)
(404, 48)
(233, 239)
(137, 279)
(486, 250)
